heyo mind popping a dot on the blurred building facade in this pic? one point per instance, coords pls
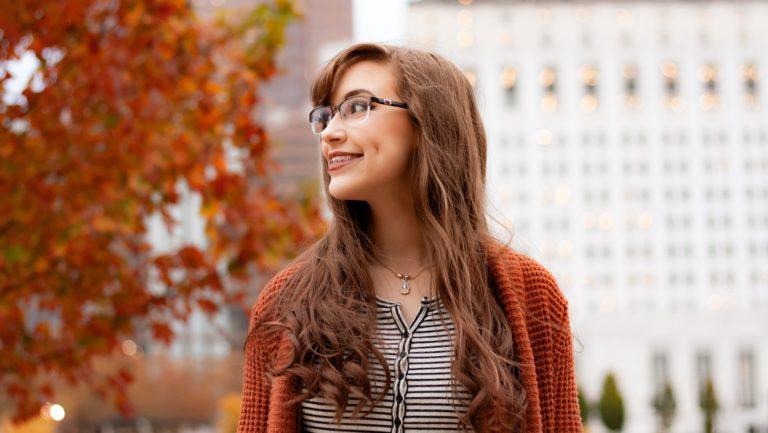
(628, 151)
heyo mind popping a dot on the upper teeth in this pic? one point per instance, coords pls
(343, 158)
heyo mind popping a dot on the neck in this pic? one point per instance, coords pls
(397, 234)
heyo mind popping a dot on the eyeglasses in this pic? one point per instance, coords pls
(354, 110)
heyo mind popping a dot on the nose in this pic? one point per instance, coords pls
(334, 132)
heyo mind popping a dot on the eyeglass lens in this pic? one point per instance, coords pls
(354, 110)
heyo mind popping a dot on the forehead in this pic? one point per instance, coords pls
(376, 77)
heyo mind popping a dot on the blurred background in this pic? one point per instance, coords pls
(628, 153)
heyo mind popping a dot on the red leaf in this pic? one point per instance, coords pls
(162, 332)
(208, 306)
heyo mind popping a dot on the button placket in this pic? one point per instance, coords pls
(401, 364)
(433, 404)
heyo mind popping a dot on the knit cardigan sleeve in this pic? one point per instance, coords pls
(553, 352)
(256, 387)
(567, 418)
(258, 353)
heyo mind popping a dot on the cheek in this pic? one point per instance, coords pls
(389, 158)
(393, 145)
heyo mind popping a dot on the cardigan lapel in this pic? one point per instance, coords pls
(508, 280)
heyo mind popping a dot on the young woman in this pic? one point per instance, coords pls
(407, 315)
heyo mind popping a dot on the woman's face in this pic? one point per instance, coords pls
(386, 140)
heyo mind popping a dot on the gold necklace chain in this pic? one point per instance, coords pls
(404, 288)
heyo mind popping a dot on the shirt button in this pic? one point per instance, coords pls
(405, 334)
(399, 398)
(400, 376)
(402, 353)
(397, 422)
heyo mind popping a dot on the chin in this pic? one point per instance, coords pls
(343, 192)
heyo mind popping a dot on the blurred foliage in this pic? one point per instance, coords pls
(159, 380)
(37, 424)
(665, 406)
(709, 405)
(583, 406)
(129, 100)
(229, 413)
(611, 404)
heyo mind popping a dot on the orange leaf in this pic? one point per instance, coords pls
(162, 332)
(208, 306)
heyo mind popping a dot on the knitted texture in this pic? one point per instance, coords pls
(537, 312)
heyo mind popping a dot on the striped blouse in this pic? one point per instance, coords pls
(419, 358)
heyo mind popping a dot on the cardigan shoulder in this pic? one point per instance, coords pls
(262, 307)
(541, 286)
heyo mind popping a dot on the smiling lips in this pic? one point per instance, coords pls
(338, 162)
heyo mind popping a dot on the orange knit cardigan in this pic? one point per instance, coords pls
(546, 355)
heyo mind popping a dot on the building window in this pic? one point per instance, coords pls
(747, 378)
(749, 75)
(465, 38)
(664, 38)
(546, 40)
(589, 79)
(709, 98)
(548, 80)
(630, 86)
(704, 38)
(504, 141)
(703, 369)
(464, 18)
(504, 38)
(660, 370)
(671, 92)
(626, 40)
(509, 86)
(586, 39)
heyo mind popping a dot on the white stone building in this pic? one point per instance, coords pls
(628, 149)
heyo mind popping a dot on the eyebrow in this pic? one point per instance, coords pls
(356, 92)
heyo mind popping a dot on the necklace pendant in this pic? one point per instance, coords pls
(404, 289)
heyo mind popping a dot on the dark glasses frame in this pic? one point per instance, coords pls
(371, 99)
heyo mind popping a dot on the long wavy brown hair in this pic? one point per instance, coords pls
(327, 308)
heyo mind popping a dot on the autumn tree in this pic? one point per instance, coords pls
(128, 101)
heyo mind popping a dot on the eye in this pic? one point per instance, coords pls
(358, 106)
(355, 106)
